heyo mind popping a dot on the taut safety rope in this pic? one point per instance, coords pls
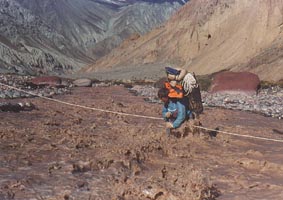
(140, 116)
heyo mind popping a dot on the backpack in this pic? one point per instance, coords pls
(181, 80)
(193, 93)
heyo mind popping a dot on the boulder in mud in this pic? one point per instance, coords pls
(83, 82)
(16, 107)
(235, 82)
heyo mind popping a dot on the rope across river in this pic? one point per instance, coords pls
(135, 115)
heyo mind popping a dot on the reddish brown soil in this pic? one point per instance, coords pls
(64, 152)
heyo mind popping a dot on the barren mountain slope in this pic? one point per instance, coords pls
(50, 36)
(207, 36)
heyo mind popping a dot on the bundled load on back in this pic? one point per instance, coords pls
(183, 85)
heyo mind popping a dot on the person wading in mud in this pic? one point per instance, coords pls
(181, 97)
(174, 112)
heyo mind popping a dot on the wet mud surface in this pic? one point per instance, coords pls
(63, 152)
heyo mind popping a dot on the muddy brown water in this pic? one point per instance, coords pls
(64, 152)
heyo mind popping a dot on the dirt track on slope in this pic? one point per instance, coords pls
(64, 152)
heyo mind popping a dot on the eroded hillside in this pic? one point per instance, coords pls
(207, 36)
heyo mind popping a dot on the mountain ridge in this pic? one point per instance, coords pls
(49, 36)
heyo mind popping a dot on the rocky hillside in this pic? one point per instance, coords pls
(50, 36)
(208, 36)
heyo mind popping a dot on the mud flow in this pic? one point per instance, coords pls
(64, 152)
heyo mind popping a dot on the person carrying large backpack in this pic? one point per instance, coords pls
(176, 99)
(181, 79)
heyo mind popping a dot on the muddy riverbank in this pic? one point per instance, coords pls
(59, 151)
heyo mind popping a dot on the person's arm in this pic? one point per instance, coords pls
(164, 111)
(181, 115)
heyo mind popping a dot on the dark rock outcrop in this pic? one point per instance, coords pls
(46, 80)
(235, 82)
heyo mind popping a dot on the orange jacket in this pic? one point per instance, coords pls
(174, 92)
